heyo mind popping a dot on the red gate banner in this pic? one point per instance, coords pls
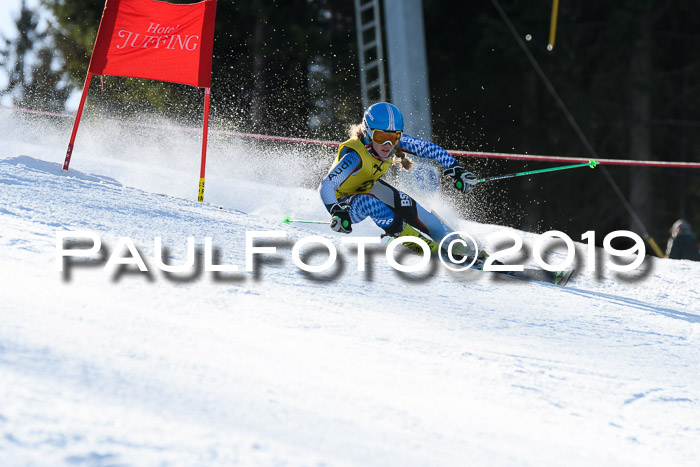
(156, 40)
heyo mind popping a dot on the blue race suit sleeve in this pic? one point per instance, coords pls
(423, 148)
(348, 164)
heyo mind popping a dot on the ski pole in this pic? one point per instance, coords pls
(288, 220)
(592, 163)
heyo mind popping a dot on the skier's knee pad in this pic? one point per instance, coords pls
(406, 208)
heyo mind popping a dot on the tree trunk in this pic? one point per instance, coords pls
(533, 207)
(257, 103)
(639, 105)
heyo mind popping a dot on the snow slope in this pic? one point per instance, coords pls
(282, 367)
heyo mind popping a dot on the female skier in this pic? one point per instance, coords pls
(353, 191)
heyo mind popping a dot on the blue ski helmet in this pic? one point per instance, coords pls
(382, 116)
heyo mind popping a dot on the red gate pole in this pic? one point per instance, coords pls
(86, 86)
(207, 93)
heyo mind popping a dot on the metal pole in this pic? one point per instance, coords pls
(69, 153)
(207, 93)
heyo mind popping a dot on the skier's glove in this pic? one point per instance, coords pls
(340, 218)
(464, 181)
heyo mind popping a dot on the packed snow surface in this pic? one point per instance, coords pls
(277, 366)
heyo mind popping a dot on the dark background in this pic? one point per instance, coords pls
(629, 72)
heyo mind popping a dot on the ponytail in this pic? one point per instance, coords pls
(400, 158)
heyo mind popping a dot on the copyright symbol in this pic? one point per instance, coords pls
(463, 246)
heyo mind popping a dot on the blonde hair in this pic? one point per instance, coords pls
(400, 157)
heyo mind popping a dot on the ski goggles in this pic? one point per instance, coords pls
(383, 137)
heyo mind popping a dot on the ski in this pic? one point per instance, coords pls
(530, 274)
(540, 275)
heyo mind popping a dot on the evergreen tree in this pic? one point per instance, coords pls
(19, 51)
(624, 69)
(47, 89)
(34, 81)
(4, 55)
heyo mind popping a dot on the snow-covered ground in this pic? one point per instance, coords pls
(281, 367)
